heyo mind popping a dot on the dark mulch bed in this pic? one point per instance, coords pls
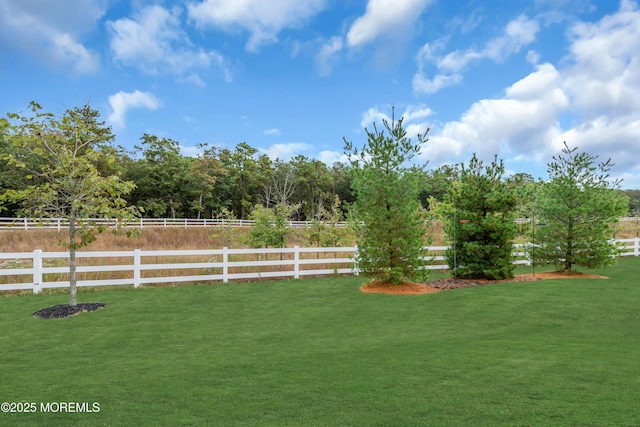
(65, 310)
(446, 284)
(454, 283)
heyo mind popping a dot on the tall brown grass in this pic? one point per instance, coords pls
(13, 240)
(149, 239)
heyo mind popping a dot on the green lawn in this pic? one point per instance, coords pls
(320, 352)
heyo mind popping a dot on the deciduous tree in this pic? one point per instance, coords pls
(280, 188)
(162, 184)
(326, 231)
(67, 184)
(271, 226)
(204, 171)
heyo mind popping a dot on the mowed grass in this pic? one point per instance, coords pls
(320, 352)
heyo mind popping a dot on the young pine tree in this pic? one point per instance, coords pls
(389, 221)
(482, 228)
(577, 206)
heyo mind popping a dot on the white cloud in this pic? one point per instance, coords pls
(330, 157)
(272, 131)
(284, 151)
(596, 88)
(416, 112)
(608, 138)
(51, 31)
(538, 83)
(373, 115)
(533, 57)
(523, 122)
(195, 79)
(464, 25)
(422, 84)
(262, 19)
(604, 78)
(517, 34)
(123, 101)
(414, 119)
(325, 58)
(457, 60)
(429, 51)
(68, 50)
(154, 42)
(386, 18)
(392, 20)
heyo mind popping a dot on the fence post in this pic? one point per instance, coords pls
(136, 268)
(296, 262)
(636, 246)
(356, 270)
(225, 265)
(37, 271)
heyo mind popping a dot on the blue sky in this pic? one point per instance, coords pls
(512, 78)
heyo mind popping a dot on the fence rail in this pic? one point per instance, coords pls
(39, 270)
(61, 223)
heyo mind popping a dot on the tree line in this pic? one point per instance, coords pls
(217, 181)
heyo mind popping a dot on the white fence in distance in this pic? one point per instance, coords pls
(62, 223)
(297, 264)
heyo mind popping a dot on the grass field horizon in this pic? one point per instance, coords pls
(320, 352)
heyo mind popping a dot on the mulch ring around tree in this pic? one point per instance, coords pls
(438, 285)
(65, 310)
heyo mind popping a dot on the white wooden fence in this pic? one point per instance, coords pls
(39, 270)
(181, 265)
(61, 223)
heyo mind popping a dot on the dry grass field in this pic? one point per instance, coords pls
(13, 240)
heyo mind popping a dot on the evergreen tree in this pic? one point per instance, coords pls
(577, 204)
(482, 228)
(389, 221)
